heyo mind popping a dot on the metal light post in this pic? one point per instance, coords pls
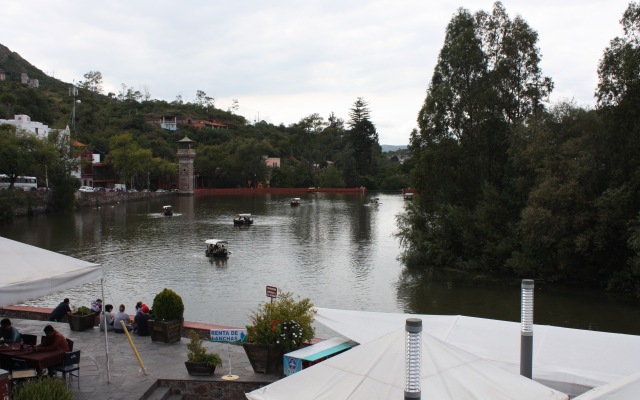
(526, 329)
(412, 358)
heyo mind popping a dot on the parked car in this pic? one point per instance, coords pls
(86, 189)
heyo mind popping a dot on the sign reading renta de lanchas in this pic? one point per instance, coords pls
(228, 335)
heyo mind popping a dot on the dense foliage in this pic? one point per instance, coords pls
(45, 388)
(124, 128)
(508, 186)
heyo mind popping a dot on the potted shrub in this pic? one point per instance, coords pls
(166, 320)
(199, 361)
(277, 328)
(81, 319)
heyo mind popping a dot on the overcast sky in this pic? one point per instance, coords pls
(286, 59)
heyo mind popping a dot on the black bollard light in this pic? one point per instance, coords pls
(412, 358)
(526, 329)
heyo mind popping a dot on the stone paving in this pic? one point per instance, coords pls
(127, 379)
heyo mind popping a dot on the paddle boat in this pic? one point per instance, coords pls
(167, 211)
(295, 201)
(408, 196)
(243, 219)
(374, 201)
(216, 248)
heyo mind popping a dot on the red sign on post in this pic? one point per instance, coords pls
(272, 292)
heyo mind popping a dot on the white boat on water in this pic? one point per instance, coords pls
(217, 248)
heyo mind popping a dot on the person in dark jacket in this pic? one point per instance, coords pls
(142, 321)
(60, 311)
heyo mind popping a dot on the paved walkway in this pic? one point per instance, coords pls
(128, 382)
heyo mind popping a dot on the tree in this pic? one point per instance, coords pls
(92, 82)
(363, 139)
(21, 153)
(128, 158)
(486, 82)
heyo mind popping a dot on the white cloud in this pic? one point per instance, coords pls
(287, 59)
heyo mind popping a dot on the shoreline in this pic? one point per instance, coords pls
(42, 314)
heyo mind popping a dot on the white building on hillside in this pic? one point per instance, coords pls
(24, 122)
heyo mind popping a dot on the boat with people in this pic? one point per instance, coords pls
(243, 219)
(408, 196)
(374, 201)
(295, 201)
(217, 248)
(167, 211)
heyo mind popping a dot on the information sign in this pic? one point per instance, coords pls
(228, 335)
(272, 292)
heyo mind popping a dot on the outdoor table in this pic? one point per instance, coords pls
(34, 359)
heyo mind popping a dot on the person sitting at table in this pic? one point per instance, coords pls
(60, 311)
(121, 316)
(53, 340)
(108, 316)
(142, 321)
(8, 333)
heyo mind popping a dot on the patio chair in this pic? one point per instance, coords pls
(30, 340)
(70, 364)
(70, 343)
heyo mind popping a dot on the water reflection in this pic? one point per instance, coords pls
(336, 249)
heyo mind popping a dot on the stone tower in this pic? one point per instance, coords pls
(185, 164)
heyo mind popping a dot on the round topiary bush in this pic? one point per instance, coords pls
(167, 306)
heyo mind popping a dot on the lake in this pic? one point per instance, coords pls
(336, 249)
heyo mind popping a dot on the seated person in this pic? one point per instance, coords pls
(96, 306)
(60, 311)
(53, 340)
(142, 321)
(121, 316)
(108, 317)
(8, 333)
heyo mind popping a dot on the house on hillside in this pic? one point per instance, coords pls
(272, 162)
(24, 78)
(22, 121)
(169, 122)
(209, 124)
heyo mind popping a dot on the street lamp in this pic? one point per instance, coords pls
(526, 329)
(413, 358)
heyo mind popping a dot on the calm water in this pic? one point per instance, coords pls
(335, 249)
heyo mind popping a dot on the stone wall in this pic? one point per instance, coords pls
(96, 199)
(211, 390)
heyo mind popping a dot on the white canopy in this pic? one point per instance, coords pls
(30, 272)
(570, 360)
(375, 370)
(624, 389)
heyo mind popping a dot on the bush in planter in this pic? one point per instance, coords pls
(167, 306)
(284, 322)
(82, 311)
(198, 354)
(167, 313)
(43, 389)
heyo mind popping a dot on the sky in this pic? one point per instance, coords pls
(283, 60)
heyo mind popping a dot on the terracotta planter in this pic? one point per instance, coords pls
(264, 359)
(199, 368)
(166, 332)
(81, 322)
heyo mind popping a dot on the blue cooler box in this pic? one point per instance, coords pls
(310, 355)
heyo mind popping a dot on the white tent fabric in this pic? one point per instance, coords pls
(570, 360)
(375, 370)
(30, 272)
(624, 389)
